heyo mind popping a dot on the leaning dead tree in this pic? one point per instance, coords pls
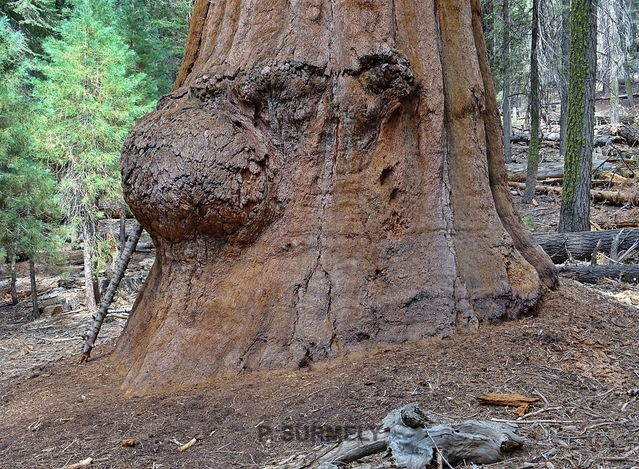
(324, 176)
(98, 316)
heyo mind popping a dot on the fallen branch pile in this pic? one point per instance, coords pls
(613, 245)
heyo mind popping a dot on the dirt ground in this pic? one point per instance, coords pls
(579, 354)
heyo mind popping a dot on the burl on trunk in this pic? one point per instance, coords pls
(325, 175)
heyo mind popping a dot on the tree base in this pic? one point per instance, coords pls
(304, 210)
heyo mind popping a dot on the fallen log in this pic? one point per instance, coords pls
(414, 439)
(630, 134)
(619, 197)
(517, 171)
(598, 141)
(592, 273)
(581, 244)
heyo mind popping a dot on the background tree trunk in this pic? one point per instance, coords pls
(319, 182)
(122, 236)
(563, 77)
(12, 268)
(34, 290)
(88, 235)
(506, 73)
(533, 148)
(575, 205)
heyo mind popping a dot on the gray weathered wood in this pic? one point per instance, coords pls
(581, 244)
(414, 440)
(121, 264)
(517, 171)
(591, 273)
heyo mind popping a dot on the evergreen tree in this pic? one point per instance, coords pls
(156, 30)
(90, 97)
(142, 36)
(35, 19)
(28, 210)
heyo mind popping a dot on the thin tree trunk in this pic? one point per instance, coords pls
(533, 148)
(122, 228)
(14, 290)
(628, 84)
(575, 205)
(487, 21)
(89, 284)
(614, 41)
(505, 76)
(563, 81)
(118, 273)
(629, 50)
(34, 290)
(96, 285)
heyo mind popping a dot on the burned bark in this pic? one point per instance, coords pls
(330, 178)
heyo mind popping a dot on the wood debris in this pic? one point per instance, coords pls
(79, 465)
(128, 442)
(522, 403)
(186, 446)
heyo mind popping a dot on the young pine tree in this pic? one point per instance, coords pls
(90, 97)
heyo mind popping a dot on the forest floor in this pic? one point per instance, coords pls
(578, 353)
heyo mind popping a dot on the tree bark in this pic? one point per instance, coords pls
(505, 76)
(14, 290)
(533, 148)
(119, 270)
(326, 180)
(575, 205)
(581, 244)
(34, 290)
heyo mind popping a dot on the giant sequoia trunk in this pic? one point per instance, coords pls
(326, 175)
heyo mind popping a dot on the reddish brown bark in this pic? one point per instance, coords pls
(325, 176)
